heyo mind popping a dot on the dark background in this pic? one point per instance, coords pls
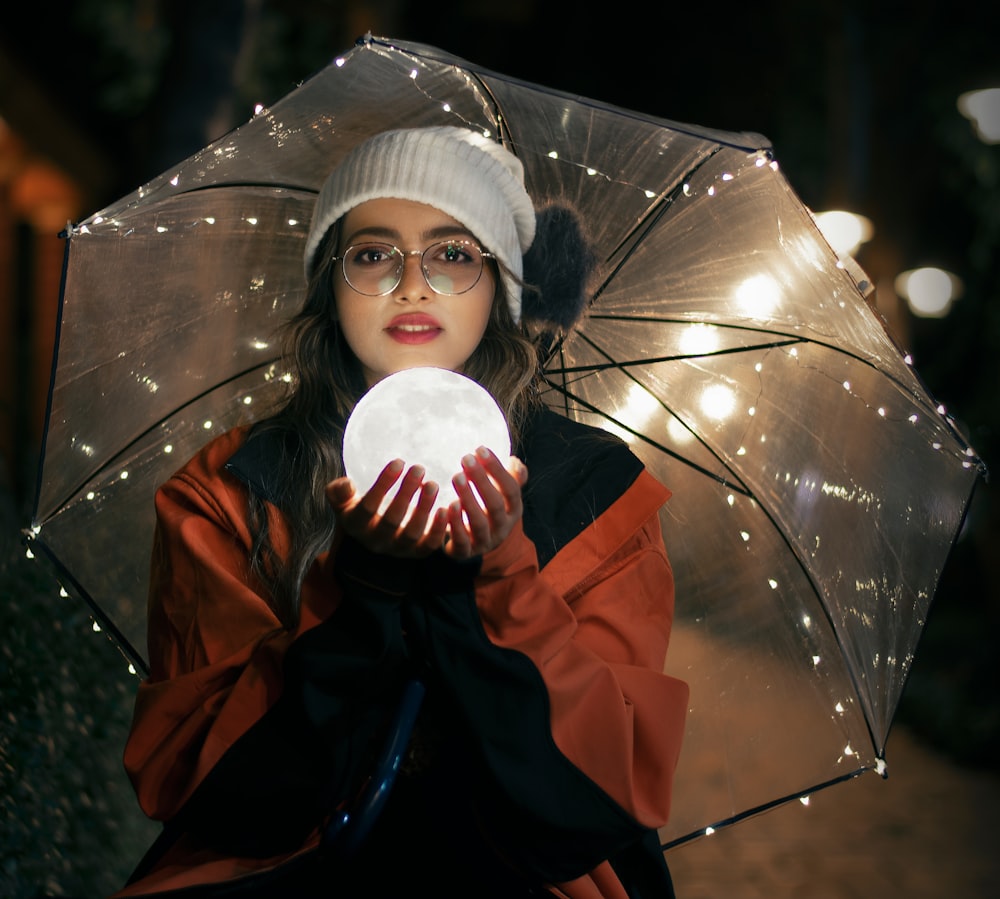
(858, 100)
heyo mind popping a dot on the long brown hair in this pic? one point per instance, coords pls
(327, 383)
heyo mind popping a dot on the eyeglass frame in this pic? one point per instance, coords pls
(406, 254)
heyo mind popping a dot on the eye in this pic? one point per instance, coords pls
(454, 253)
(372, 254)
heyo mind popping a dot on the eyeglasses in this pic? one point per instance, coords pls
(449, 267)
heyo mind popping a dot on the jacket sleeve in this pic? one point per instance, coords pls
(235, 698)
(559, 674)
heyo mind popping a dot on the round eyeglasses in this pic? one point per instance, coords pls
(449, 267)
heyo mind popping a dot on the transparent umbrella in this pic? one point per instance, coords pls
(817, 487)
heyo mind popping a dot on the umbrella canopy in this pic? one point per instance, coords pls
(817, 487)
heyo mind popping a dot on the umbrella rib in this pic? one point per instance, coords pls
(567, 394)
(65, 576)
(139, 437)
(779, 341)
(634, 363)
(759, 809)
(753, 141)
(652, 215)
(228, 185)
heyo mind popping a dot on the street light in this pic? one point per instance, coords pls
(928, 291)
(982, 108)
(844, 231)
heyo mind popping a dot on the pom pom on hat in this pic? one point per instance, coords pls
(559, 270)
(461, 172)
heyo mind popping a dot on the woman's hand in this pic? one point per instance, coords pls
(477, 525)
(391, 532)
(488, 506)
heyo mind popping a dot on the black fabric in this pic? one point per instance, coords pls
(257, 462)
(575, 473)
(642, 869)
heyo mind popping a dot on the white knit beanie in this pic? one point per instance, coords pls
(461, 172)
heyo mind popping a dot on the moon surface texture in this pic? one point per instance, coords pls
(424, 416)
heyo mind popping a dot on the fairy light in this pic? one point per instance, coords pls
(699, 340)
(679, 434)
(717, 402)
(758, 296)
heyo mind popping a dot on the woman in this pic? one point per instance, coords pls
(287, 616)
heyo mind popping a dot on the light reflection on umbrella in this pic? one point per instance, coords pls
(817, 489)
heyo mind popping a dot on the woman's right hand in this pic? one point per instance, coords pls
(394, 532)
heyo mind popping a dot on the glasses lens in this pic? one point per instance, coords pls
(373, 268)
(452, 266)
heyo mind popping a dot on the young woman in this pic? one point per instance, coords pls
(289, 621)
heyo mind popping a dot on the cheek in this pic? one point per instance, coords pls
(353, 320)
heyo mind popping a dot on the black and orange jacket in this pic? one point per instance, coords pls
(546, 745)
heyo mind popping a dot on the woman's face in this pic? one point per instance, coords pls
(412, 325)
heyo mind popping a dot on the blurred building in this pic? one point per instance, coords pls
(50, 173)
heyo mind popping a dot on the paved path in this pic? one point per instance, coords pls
(929, 830)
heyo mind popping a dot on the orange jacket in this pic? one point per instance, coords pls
(555, 674)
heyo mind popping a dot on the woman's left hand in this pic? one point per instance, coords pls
(489, 504)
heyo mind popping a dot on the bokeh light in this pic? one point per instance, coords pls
(928, 291)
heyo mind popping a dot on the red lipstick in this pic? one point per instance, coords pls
(413, 328)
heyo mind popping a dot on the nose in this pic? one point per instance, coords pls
(413, 286)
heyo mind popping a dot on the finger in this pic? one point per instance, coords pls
(459, 544)
(476, 518)
(436, 533)
(518, 470)
(340, 493)
(373, 498)
(497, 487)
(416, 524)
(396, 512)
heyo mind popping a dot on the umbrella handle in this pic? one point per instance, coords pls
(349, 827)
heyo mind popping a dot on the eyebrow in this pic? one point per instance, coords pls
(392, 234)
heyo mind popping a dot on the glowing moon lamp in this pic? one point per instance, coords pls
(427, 416)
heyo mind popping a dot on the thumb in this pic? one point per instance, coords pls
(339, 492)
(518, 469)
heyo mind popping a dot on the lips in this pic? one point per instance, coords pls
(413, 328)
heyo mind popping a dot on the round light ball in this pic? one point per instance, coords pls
(425, 416)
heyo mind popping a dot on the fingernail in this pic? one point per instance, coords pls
(469, 461)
